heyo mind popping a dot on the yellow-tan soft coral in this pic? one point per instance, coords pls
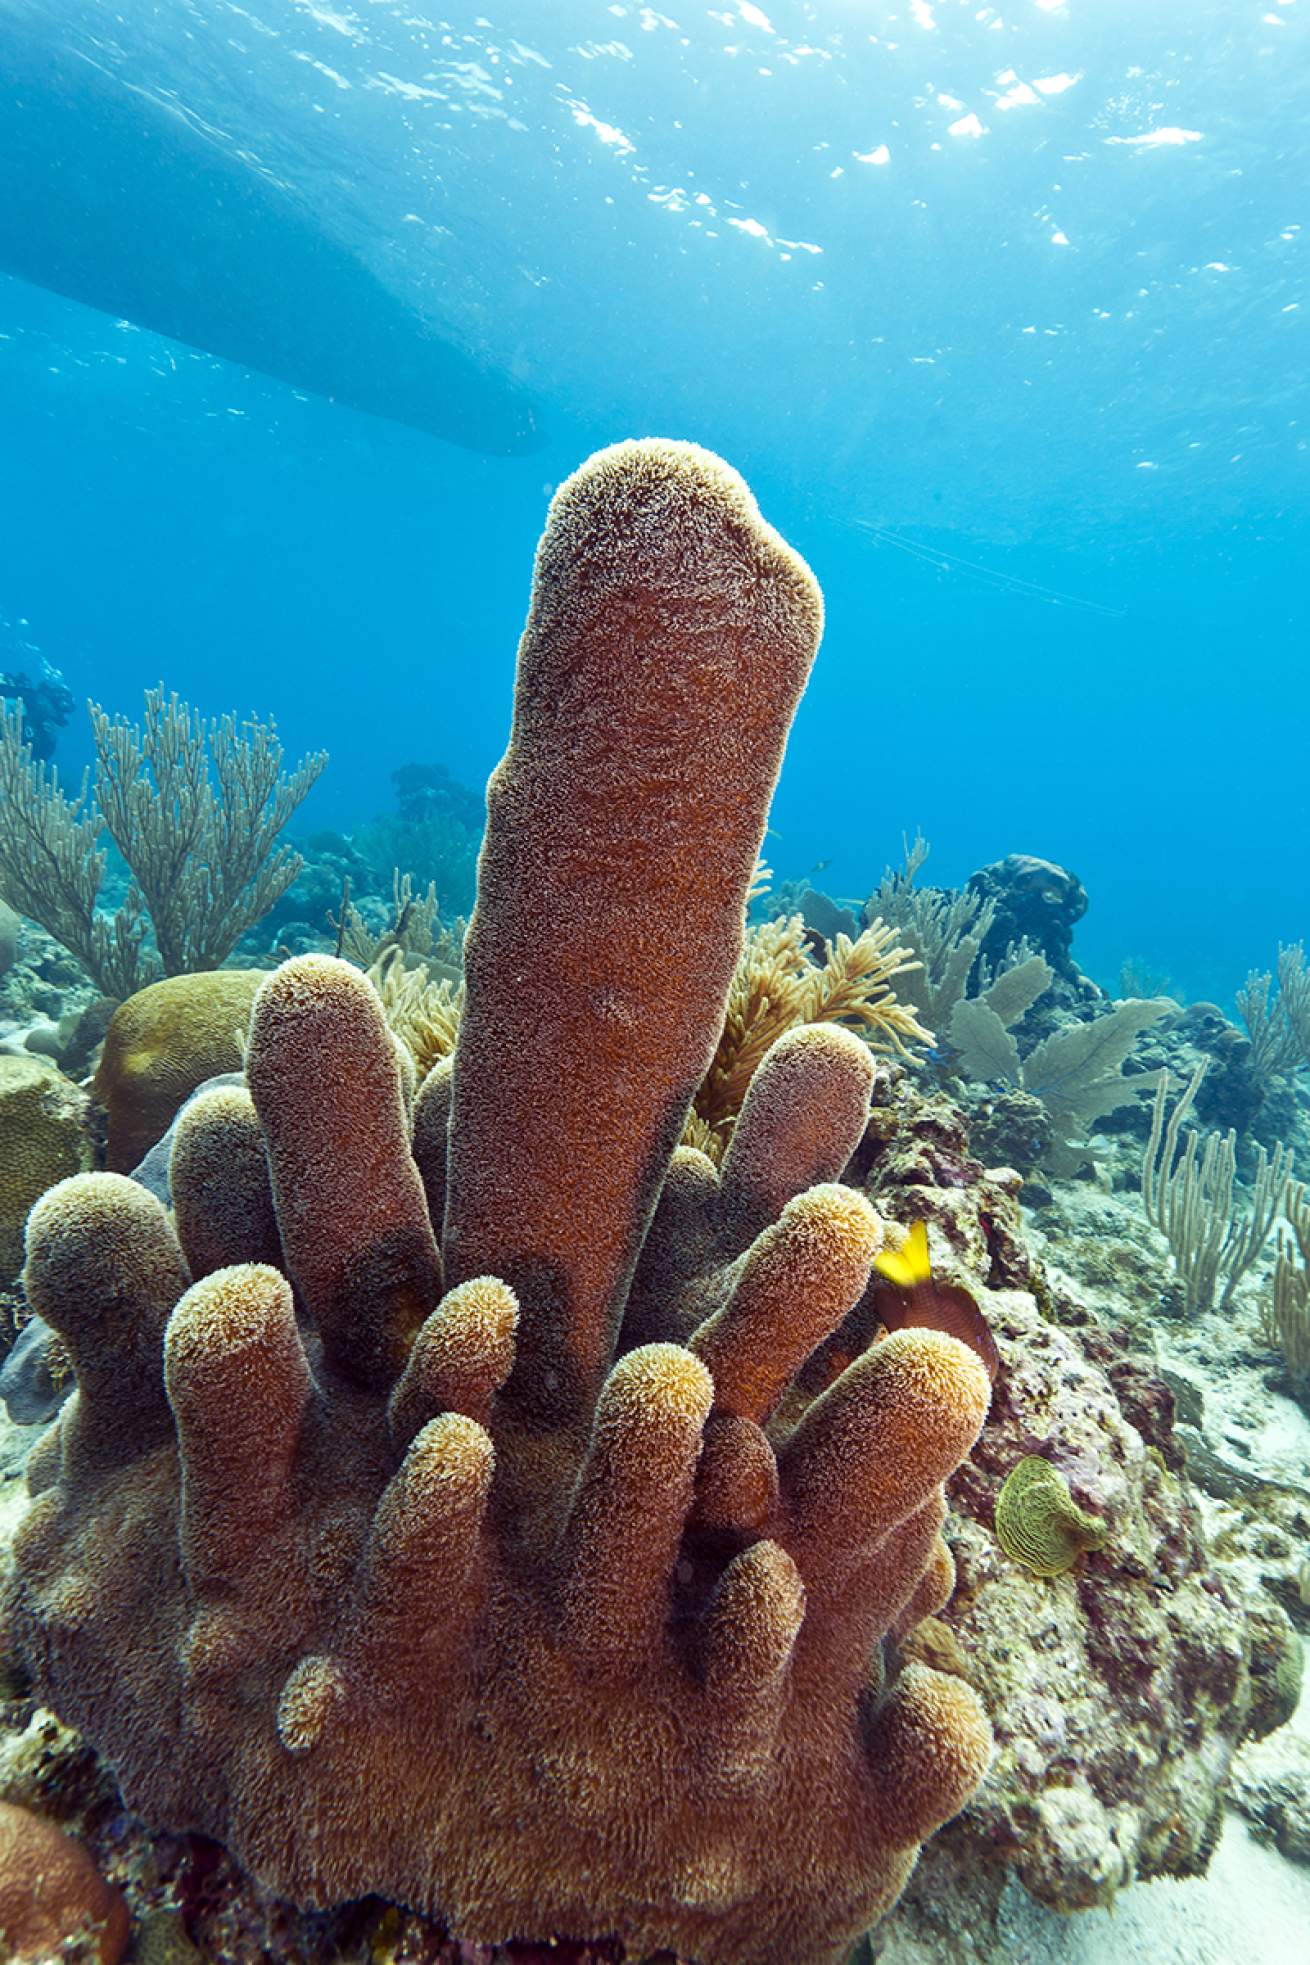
(776, 988)
(437, 1547)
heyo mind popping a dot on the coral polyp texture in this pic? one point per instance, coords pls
(460, 1561)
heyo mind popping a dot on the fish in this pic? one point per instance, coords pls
(118, 201)
(909, 1298)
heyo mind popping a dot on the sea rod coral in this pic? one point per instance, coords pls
(456, 1563)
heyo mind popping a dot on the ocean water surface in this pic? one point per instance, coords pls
(1002, 312)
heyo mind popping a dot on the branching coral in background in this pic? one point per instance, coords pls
(776, 987)
(205, 862)
(1190, 1198)
(1285, 1322)
(1278, 1020)
(437, 851)
(417, 930)
(944, 930)
(433, 838)
(1138, 978)
(52, 867)
(423, 1010)
(416, 966)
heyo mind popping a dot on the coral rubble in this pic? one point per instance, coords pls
(508, 1603)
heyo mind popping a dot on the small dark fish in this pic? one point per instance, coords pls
(820, 866)
(909, 1299)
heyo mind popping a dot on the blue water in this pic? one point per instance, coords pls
(1002, 312)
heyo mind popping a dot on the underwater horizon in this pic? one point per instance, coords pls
(1001, 312)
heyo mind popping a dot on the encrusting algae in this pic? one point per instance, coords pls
(468, 1574)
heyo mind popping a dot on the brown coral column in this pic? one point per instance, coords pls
(330, 1094)
(238, 1383)
(872, 1448)
(668, 640)
(632, 1496)
(931, 1744)
(794, 1285)
(218, 1177)
(461, 1358)
(104, 1267)
(801, 1120)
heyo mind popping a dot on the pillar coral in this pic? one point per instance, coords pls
(521, 1604)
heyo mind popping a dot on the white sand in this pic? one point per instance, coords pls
(1253, 1908)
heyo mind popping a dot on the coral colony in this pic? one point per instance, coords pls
(417, 1525)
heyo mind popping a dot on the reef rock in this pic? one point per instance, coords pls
(1119, 1690)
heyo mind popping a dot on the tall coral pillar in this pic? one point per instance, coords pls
(669, 638)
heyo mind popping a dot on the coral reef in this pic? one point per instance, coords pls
(1188, 1195)
(1075, 1072)
(548, 1604)
(434, 840)
(1013, 1129)
(1120, 1689)
(1035, 901)
(1277, 1015)
(1286, 1320)
(1233, 1090)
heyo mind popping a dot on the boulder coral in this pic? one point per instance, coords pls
(474, 1562)
(162, 1043)
(43, 1137)
(51, 1893)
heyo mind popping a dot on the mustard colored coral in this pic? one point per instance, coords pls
(162, 1043)
(452, 1560)
(42, 1139)
(1039, 1523)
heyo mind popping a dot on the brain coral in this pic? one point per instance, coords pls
(160, 1045)
(42, 1138)
(49, 1891)
(459, 1563)
(1039, 1523)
